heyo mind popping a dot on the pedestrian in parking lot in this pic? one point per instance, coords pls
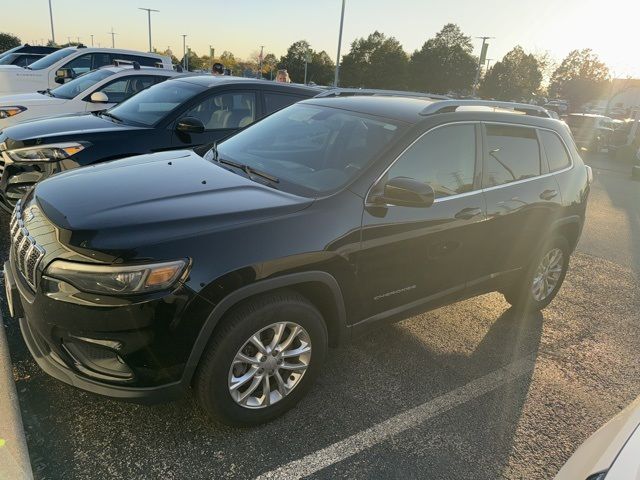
(283, 76)
(217, 69)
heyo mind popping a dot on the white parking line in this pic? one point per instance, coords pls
(370, 437)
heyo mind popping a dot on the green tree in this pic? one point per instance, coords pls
(8, 41)
(581, 77)
(269, 65)
(444, 63)
(377, 61)
(516, 77)
(229, 61)
(320, 67)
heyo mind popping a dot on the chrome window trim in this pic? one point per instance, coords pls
(480, 190)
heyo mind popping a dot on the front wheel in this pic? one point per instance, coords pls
(543, 278)
(262, 359)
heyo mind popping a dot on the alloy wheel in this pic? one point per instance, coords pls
(269, 365)
(547, 274)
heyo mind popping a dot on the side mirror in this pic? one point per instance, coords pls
(64, 74)
(407, 192)
(99, 97)
(190, 125)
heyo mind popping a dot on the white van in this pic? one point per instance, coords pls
(68, 63)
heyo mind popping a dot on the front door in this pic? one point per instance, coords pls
(222, 114)
(411, 254)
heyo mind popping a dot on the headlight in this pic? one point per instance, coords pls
(45, 153)
(118, 280)
(6, 112)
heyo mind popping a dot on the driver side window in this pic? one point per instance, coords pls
(229, 110)
(444, 158)
(80, 65)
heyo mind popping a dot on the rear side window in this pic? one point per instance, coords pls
(277, 101)
(513, 154)
(143, 61)
(555, 150)
(444, 158)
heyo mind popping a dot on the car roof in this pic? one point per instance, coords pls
(405, 109)
(119, 50)
(146, 70)
(411, 110)
(209, 81)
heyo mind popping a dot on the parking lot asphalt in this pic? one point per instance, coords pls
(471, 390)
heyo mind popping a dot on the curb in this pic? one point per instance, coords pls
(14, 456)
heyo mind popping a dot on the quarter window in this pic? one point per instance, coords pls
(557, 155)
(226, 110)
(443, 158)
(513, 154)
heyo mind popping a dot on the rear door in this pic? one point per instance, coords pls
(222, 114)
(522, 198)
(414, 254)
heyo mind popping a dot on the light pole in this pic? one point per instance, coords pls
(260, 66)
(335, 81)
(92, 39)
(483, 56)
(184, 50)
(307, 59)
(113, 38)
(149, 10)
(68, 40)
(53, 35)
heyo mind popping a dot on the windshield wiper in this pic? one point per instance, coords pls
(250, 171)
(111, 115)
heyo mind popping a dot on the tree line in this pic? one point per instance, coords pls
(445, 64)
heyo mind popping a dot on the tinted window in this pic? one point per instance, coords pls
(80, 65)
(143, 61)
(155, 103)
(80, 84)
(556, 152)
(226, 110)
(9, 59)
(49, 60)
(277, 101)
(443, 158)
(100, 60)
(310, 149)
(513, 154)
(123, 88)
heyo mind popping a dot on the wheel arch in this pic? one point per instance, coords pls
(320, 288)
(570, 228)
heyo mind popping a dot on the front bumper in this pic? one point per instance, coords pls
(136, 351)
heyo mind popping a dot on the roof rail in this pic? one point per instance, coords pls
(346, 92)
(446, 106)
(121, 63)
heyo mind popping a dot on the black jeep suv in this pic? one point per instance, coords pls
(233, 271)
(180, 113)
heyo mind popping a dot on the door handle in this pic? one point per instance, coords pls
(468, 213)
(548, 194)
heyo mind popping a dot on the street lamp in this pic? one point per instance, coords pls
(113, 38)
(184, 50)
(149, 10)
(307, 59)
(53, 35)
(335, 81)
(481, 60)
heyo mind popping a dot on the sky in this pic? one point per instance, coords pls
(242, 26)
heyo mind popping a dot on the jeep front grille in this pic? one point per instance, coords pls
(26, 252)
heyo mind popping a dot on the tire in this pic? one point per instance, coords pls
(261, 316)
(525, 295)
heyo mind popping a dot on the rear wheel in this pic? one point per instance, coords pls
(543, 278)
(262, 360)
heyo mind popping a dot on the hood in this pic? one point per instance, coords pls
(153, 198)
(30, 100)
(14, 79)
(30, 133)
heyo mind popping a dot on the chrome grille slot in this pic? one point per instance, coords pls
(26, 252)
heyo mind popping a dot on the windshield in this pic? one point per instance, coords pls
(78, 85)
(7, 59)
(316, 149)
(52, 58)
(10, 51)
(150, 106)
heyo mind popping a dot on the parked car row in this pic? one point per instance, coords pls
(24, 55)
